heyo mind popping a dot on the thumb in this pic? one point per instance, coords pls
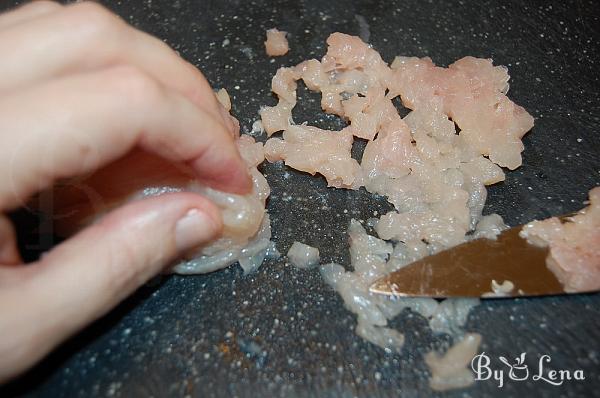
(84, 277)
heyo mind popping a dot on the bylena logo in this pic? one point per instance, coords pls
(519, 370)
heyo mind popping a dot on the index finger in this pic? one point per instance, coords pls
(86, 36)
(27, 12)
(75, 125)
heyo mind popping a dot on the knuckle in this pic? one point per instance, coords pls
(136, 86)
(95, 18)
(43, 5)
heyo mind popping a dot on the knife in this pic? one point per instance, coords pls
(474, 269)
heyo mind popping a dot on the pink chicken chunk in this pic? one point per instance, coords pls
(574, 246)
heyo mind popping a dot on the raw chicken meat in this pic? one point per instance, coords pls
(450, 370)
(473, 93)
(371, 259)
(574, 245)
(345, 52)
(276, 44)
(303, 256)
(276, 118)
(433, 173)
(247, 231)
(279, 117)
(500, 289)
(314, 150)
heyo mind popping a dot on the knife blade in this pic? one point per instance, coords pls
(467, 270)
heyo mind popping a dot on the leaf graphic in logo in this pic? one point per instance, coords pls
(519, 371)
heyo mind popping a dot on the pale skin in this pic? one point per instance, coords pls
(79, 88)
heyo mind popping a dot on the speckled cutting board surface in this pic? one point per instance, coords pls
(282, 331)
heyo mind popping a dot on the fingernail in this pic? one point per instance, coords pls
(194, 229)
(227, 120)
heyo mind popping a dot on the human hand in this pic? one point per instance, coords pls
(79, 88)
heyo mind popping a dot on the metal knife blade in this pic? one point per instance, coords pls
(467, 270)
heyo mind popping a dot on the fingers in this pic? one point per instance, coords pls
(83, 278)
(9, 253)
(96, 39)
(28, 12)
(76, 124)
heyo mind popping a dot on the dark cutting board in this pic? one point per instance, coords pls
(282, 331)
